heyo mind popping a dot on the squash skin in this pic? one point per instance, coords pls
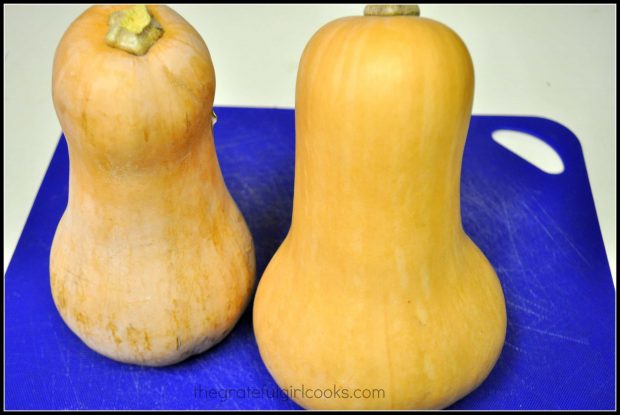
(152, 260)
(376, 285)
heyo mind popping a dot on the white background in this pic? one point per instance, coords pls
(554, 61)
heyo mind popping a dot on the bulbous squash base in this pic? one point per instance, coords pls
(152, 303)
(410, 332)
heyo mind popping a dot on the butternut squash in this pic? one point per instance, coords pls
(152, 260)
(377, 299)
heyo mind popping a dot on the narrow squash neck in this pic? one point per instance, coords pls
(115, 190)
(133, 30)
(368, 194)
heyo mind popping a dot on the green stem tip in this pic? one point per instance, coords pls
(392, 10)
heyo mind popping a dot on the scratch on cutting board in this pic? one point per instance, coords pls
(557, 335)
(508, 222)
(135, 381)
(68, 375)
(511, 232)
(525, 309)
(524, 300)
(558, 229)
(512, 346)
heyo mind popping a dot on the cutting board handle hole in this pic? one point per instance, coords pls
(531, 149)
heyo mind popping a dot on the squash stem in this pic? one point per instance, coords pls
(392, 10)
(133, 30)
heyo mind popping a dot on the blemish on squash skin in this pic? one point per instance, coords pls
(81, 318)
(61, 301)
(146, 135)
(112, 327)
(133, 336)
(85, 124)
(182, 321)
(178, 82)
(174, 318)
(139, 341)
(147, 342)
(215, 234)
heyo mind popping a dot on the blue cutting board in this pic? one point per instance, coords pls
(540, 232)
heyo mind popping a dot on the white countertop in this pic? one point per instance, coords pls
(554, 61)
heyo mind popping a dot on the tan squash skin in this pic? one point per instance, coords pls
(376, 285)
(152, 261)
